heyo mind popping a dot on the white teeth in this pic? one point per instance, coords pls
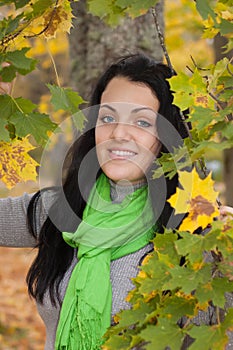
(123, 153)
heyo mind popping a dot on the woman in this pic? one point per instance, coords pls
(114, 206)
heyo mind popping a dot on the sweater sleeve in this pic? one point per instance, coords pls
(14, 230)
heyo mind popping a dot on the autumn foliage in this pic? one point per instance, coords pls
(165, 289)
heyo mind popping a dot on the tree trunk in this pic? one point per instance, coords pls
(219, 42)
(94, 45)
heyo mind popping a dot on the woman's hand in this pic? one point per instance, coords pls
(226, 212)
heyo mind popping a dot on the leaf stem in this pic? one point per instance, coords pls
(19, 108)
(54, 64)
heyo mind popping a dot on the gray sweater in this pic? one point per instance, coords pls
(14, 232)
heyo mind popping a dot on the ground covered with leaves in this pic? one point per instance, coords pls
(20, 325)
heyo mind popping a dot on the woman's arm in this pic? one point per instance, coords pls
(14, 230)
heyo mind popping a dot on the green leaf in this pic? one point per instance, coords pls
(19, 60)
(165, 245)
(218, 71)
(100, 8)
(113, 11)
(202, 117)
(36, 124)
(118, 341)
(79, 120)
(136, 7)
(169, 163)
(4, 134)
(193, 246)
(180, 84)
(197, 82)
(9, 25)
(206, 147)
(20, 3)
(215, 337)
(157, 276)
(225, 95)
(8, 73)
(162, 335)
(25, 105)
(225, 27)
(229, 45)
(40, 6)
(65, 98)
(7, 106)
(187, 279)
(4, 2)
(214, 291)
(135, 315)
(225, 128)
(176, 307)
(220, 287)
(227, 81)
(205, 9)
(10, 105)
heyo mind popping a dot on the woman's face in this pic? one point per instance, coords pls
(126, 141)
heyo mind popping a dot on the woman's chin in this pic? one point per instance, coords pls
(128, 175)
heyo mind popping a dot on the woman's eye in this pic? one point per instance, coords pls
(107, 119)
(143, 123)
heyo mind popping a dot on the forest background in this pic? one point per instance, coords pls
(194, 35)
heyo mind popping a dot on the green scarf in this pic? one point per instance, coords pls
(108, 231)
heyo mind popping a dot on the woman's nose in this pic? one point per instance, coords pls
(121, 131)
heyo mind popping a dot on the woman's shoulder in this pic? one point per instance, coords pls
(40, 204)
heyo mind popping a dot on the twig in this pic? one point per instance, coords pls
(190, 69)
(10, 37)
(185, 124)
(161, 40)
(195, 65)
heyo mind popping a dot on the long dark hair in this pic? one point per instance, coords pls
(54, 255)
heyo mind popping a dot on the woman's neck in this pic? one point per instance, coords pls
(119, 191)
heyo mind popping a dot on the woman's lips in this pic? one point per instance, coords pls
(121, 154)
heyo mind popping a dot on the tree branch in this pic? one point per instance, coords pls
(161, 40)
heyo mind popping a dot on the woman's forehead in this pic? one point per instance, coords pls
(120, 89)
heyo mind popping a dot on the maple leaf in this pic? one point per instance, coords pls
(197, 198)
(16, 165)
(60, 18)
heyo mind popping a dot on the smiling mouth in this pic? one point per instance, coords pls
(121, 154)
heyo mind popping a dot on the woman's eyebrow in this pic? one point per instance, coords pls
(108, 106)
(135, 110)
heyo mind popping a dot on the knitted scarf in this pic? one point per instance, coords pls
(108, 231)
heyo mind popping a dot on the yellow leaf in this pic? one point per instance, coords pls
(201, 100)
(116, 318)
(227, 15)
(128, 297)
(142, 274)
(197, 198)
(146, 259)
(59, 18)
(16, 165)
